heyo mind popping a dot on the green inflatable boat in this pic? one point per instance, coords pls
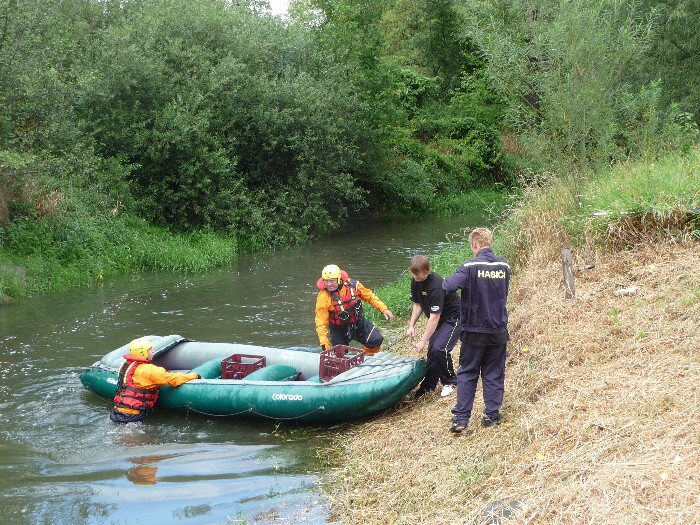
(247, 380)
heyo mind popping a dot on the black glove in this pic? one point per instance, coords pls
(198, 377)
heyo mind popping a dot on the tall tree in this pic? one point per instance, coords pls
(447, 50)
(564, 65)
(674, 55)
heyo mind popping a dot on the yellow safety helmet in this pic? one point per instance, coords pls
(332, 271)
(140, 347)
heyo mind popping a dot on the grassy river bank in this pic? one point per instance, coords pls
(602, 391)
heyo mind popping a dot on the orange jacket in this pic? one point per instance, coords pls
(149, 376)
(324, 305)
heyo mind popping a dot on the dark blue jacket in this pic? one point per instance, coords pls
(484, 282)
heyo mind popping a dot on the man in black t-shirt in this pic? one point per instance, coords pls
(442, 329)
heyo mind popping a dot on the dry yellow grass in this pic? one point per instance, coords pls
(601, 416)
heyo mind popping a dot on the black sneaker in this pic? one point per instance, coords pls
(487, 421)
(422, 392)
(458, 427)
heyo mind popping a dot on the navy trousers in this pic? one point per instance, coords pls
(489, 362)
(120, 417)
(363, 331)
(440, 367)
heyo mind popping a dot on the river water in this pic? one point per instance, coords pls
(63, 462)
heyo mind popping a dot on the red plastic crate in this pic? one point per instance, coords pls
(338, 359)
(237, 366)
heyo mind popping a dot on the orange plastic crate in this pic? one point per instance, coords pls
(338, 359)
(237, 366)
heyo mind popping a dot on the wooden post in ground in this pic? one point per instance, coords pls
(567, 262)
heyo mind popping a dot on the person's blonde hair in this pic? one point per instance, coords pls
(419, 264)
(482, 237)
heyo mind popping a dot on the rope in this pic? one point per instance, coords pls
(250, 411)
(397, 341)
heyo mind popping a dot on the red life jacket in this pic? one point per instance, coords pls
(347, 305)
(129, 395)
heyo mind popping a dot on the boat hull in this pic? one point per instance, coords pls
(374, 385)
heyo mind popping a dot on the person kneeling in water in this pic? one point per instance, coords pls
(138, 381)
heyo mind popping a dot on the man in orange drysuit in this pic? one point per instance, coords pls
(339, 311)
(138, 381)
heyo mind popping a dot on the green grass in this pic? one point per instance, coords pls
(72, 248)
(489, 200)
(657, 187)
(630, 203)
(94, 250)
(475, 474)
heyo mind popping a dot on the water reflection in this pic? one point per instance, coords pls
(137, 476)
(142, 474)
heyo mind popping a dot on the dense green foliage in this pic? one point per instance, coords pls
(162, 119)
(581, 78)
(673, 52)
(228, 131)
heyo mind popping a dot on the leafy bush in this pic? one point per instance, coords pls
(230, 121)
